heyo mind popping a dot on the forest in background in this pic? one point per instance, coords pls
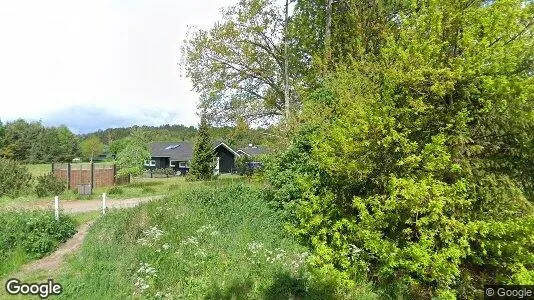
(32, 142)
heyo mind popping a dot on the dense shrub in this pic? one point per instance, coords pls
(116, 190)
(34, 233)
(49, 185)
(163, 172)
(14, 178)
(418, 171)
(243, 167)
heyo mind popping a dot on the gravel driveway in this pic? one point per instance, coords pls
(80, 206)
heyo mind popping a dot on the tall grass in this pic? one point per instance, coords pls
(202, 242)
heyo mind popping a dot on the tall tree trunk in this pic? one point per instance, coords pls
(286, 64)
(328, 33)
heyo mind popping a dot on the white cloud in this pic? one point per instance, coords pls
(117, 57)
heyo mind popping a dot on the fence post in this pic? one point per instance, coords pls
(103, 203)
(92, 176)
(68, 176)
(56, 207)
(114, 174)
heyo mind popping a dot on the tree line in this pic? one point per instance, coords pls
(32, 142)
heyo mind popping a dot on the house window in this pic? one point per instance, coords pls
(172, 163)
(182, 164)
(150, 163)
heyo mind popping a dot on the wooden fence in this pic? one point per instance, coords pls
(97, 175)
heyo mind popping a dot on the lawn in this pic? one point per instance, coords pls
(202, 242)
(39, 169)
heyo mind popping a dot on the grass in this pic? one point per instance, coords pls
(139, 187)
(37, 170)
(202, 242)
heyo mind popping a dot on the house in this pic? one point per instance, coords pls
(178, 156)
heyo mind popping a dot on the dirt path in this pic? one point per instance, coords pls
(51, 263)
(79, 206)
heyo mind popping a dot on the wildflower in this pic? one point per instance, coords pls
(255, 247)
(191, 240)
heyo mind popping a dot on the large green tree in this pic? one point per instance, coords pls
(238, 65)
(91, 147)
(418, 169)
(203, 154)
(132, 153)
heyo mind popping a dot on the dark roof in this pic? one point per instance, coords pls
(253, 150)
(179, 151)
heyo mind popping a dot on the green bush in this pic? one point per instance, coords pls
(163, 172)
(243, 167)
(144, 184)
(116, 190)
(49, 185)
(14, 178)
(33, 233)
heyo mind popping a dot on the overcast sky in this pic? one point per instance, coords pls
(99, 63)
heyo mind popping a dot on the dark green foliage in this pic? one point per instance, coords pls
(34, 233)
(203, 154)
(32, 142)
(49, 185)
(116, 190)
(164, 172)
(14, 178)
(242, 165)
(145, 184)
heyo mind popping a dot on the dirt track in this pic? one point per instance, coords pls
(51, 263)
(79, 206)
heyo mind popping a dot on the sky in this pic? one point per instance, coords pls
(98, 64)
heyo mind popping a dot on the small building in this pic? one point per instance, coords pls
(178, 156)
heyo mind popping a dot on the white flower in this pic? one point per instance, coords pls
(191, 240)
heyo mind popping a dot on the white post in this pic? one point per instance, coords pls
(103, 203)
(56, 207)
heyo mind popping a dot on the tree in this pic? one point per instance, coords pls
(238, 65)
(19, 138)
(2, 134)
(203, 154)
(130, 160)
(418, 170)
(240, 135)
(14, 178)
(116, 146)
(68, 144)
(92, 147)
